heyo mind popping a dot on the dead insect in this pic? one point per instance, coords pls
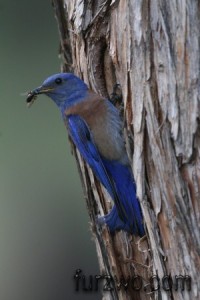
(30, 98)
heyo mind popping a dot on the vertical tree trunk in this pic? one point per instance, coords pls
(152, 48)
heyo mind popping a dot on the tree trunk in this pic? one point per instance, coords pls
(152, 48)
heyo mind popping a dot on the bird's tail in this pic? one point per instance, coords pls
(126, 191)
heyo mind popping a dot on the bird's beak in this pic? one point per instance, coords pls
(32, 95)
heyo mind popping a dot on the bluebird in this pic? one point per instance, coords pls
(95, 127)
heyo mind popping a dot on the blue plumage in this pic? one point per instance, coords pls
(126, 190)
(83, 140)
(96, 130)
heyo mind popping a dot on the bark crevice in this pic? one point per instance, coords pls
(152, 48)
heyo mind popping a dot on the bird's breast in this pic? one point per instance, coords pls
(105, 125)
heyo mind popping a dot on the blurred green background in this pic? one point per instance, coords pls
(44, 226)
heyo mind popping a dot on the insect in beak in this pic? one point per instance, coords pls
(31, 97)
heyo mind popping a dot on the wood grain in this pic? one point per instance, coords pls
(152, 49)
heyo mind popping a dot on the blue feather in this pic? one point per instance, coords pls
(82, 138)
(116, 178)
(126, 190)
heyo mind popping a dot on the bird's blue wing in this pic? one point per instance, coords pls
(82, 138)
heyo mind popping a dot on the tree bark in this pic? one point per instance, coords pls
(152, 48)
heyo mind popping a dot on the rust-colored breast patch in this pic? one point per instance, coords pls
(95, 113)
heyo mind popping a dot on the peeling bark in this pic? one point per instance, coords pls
(152, 48)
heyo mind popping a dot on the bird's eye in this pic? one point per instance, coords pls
(58, 80)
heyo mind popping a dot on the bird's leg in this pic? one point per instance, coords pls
(116, 98)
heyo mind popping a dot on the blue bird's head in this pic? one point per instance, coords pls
(63, 88)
